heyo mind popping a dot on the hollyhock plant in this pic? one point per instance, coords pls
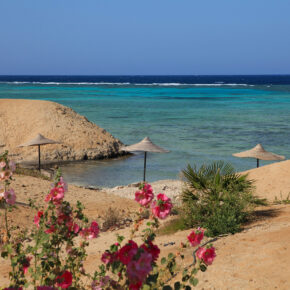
(207, 255)
(162, 206)
(10, 196)
(145, 195)
(91, 232)
(2, 164)
(108, 258)
(195, 238)
(59, 258)
(62, 184)
(50, 230)
(127, 252)
(151, 249)
(138, 270)
(56, 195)
(26, 264)
(65, 280)
(37, 218)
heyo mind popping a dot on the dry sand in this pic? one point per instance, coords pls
(256, 258)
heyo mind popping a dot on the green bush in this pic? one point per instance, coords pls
(216, 197)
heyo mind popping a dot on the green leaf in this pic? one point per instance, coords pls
(177, 286)
(163, 260)
(193, 281)
(170, 256)
(120, 239)
(203, 268)
(194, 271)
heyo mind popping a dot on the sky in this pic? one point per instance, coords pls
(149, 37)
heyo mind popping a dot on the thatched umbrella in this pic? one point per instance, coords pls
(259, 152)
(38, 141)
(145, 146)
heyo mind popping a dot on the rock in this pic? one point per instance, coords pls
(80, 139)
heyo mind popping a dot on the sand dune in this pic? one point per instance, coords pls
(272, 180)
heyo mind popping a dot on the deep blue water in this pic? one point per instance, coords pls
(198, 118)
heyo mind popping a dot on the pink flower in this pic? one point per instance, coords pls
(50, 230)
(37, 218)
(135, 286)
(108, 258)
(76, 228)
(138, 270)
(94, 229)
(65, 280)
(10, 196)
(91, 232)
(162, 207)
(195, 237)
(145, 195)
(26, 264)
(2, 164)
(56, 195)
(64, 219)
(206, 254)
(127, 252)
(151, 249)
(62, 184)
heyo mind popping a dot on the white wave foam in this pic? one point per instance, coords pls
(126, 84)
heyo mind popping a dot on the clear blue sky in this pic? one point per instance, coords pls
(144, 37)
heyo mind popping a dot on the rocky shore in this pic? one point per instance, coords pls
(80, 139)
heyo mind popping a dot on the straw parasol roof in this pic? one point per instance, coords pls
(39, 140)
(145, 145)
(259, 152)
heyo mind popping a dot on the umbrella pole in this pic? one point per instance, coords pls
(39, 157)
(257, 162)
(145, 156)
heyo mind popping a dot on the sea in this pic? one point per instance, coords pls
(199, 119)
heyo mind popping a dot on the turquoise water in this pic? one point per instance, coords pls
(197, 123)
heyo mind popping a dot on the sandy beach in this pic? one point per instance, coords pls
(251, 259)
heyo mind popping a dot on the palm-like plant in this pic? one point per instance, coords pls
(216, 193)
